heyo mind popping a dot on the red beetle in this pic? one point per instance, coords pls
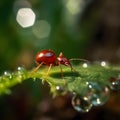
(48, 57)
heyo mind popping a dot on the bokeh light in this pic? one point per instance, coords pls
(73, 6)
(41, 29)
(25, 17)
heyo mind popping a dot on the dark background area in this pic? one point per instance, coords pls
(87, 29)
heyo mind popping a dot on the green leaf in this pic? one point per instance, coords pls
(61, 83)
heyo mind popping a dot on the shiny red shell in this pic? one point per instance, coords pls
(46, 57)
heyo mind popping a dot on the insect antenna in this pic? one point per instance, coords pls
(84, 60)
(79, 59)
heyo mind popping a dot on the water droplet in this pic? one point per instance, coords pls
(21, 73)
(103, 63)
(85, 65)
(81, 104)
(114, 83)
(97, 94)
(20, 68)
(59, 89)
(6, 78)
(8, 75)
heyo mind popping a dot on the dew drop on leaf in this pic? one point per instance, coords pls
(85, 65)
(81, 104)
(114, 83)
(59, 89)
(97, 94)
(21, 69)
(103, 63)
(7, 75)
(21, 73)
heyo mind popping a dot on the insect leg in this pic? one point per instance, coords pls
(48, 70)
(62, 73)
(36, 69)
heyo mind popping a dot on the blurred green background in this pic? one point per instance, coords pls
(87, 29)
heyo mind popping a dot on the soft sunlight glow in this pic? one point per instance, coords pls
(25, 17)
(71, 10)
(73, 6)
(41, 29)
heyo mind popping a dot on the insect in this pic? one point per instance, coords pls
(49, 58)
